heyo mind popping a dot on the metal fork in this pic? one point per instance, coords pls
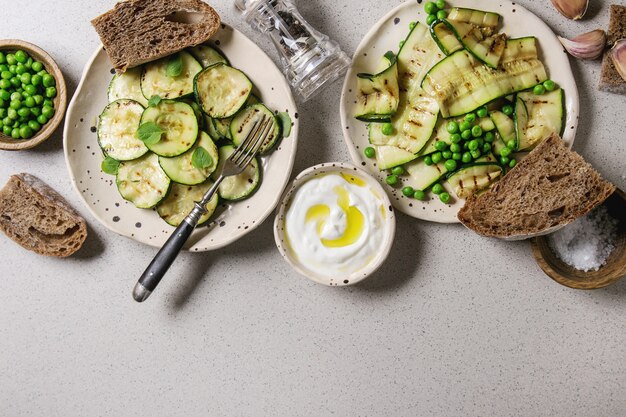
(234, 165)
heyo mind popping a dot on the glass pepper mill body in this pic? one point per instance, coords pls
(310, 59)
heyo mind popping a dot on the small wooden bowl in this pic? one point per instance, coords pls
(612, 271)
(60, 101)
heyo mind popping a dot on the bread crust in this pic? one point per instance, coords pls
(138, 31)
(39, 219)
(549, 188)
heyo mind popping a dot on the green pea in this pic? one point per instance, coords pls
(512, 144)
(397, 170)
(36, 111)
(428, 160)
(508, 110)
(408, 191)
(473, 145)
(437, 189)
(504, 160)
(430, 19)
(477, 131)
(4, 68)
(3, 103)
(481, 142)
(441, 145)
(489, 137)
(24, 112)
(412, 25)
(42, 72)
(29, 63)
(444, 197)
(15, 104)
(13, 69)
(430, 7)
(456, 156)
(369, 151)
(476, 153)
(26, 132)
(446, 155)
(419, 195)
(37, 66)
(486, 147)
(36, 80)
(3, 58)
(539, 90)
(470, 117)
(5, 84)
(436, 157)
(455, 147)
(549, 85)
(3, 113)
(47, 111)
(441, 14)
(15, 82)
(452, 127)
(23, 92)
(16, 96)
(482, 112)
(505, 152)
(15, 133)
(466, 134)
(391, 179)
(48, 102)
(20, 56)
(465, 125)
(387, 128)
(11, 59)
(12, 114)
(51, 92)
(42, 120)
(512, 163)
(450, 165)
(33, 124)
(455, 138)
(38, 99)
(20, 69)
(25, 78)
(6, 75)
(30, 89)
(7, 130)
(401, 44)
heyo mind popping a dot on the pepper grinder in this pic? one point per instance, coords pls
(310, 59)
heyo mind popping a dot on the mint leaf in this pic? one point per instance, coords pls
(110, 165)
(174, 66)
(154, 101)
(149, 133)
(201, 158)
(285, 123)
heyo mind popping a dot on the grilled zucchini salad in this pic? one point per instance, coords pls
(459, 102)
(171, 122)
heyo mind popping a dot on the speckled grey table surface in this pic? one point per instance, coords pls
(452, 325)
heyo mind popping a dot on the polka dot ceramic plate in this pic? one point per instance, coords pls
(231, 221)
(394, 27)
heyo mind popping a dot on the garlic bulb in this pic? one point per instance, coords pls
(618, 55)
(586, 46)
(572, 9)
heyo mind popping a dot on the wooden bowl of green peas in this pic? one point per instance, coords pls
(33, 96)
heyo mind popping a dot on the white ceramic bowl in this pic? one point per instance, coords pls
(279, 225)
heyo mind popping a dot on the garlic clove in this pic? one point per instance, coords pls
(618, 55)
(572, 9)
(589, 45)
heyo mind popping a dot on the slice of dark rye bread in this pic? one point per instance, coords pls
(39, 219)
(551, 187)
(610, 80)
(138, 31)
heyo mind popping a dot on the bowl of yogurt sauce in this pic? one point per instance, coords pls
(335, 224)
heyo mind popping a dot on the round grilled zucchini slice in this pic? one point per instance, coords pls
(127, 85)
(117, 128)
(180, 201)
(242, 186)
(155, 80)
(142, 181)
(221, 90)
(242, 124)
(179, 124)
(207, 55)
(181, 169)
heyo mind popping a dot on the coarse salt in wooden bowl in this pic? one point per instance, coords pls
(60, 101)
(610, 272)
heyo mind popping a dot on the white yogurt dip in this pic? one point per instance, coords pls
(335, 224)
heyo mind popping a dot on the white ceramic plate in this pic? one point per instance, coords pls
(385, 36)
(231, 221)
